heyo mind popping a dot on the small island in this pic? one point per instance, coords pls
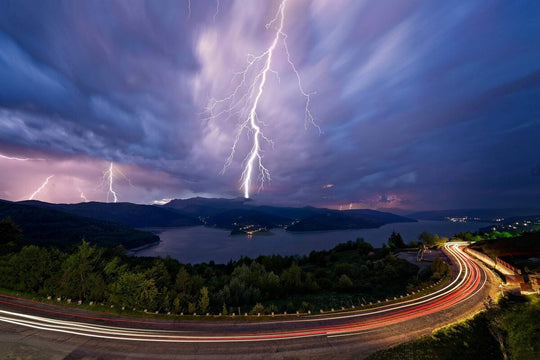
(250, 230)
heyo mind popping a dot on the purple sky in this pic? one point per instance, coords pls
(422, 104)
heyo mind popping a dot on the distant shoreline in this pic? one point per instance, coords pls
(143, 247)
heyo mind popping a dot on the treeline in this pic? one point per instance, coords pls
(354, 270)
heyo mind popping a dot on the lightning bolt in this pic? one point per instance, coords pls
(217, 10)
(82, 195)
(246, 105)
(40, 188)
(19, 159)
(189, 9)
(108, 176)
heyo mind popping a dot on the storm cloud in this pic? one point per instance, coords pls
(421, 104)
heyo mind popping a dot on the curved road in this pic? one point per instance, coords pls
(50, 332)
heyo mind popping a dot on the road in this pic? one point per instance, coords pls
(34, 330)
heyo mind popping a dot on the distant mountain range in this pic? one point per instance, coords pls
(483, 215)
(238, 215)
(111, 224)
(241, 213)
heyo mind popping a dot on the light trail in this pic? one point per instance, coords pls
(467, 282)
(246, 105)
(41, 187)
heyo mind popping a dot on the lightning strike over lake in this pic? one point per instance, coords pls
(245, 98)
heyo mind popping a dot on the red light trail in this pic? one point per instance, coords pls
(469, 280)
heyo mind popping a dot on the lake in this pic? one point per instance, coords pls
(201, 244)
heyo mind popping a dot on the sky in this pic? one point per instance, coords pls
(416, 105)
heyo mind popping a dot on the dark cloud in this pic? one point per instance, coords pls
(421, 104)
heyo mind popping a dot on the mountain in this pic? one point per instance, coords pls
(484, 215)
(238, 218)
(327, 219)
(240, 212)
(332, 221)
(204, 207)
(238, 215)
(132, 215)
(47, 226)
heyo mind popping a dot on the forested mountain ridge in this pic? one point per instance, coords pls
(52, 227)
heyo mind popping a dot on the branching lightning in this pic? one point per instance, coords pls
(40, 188)
(19, 159)
(245, 98)
(108, 176)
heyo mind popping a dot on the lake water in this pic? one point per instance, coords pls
(201, 244)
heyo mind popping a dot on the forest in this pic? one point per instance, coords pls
(350, 273)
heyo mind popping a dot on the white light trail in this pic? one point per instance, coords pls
(40, 188)
(246, 104)
(469, 281)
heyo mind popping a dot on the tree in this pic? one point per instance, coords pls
(204, 300)
(342, 268)
(426, 238)
(257, 309)
(10, 236)
(159, 273)
(439, 268)
(77, 270)
(344, 283)
(292, 278)
(183, 280)
(395, 241)
(30, 267)
(363, 247)
(176, 305)
(147, 291)
(126, 288)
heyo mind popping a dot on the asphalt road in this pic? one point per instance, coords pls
(38, 331)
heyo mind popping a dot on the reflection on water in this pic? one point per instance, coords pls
(201, 244)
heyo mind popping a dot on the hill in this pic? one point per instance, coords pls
(205, 207)
(127, 214)
(239, 212)
(46, 226)
(525, 244)
(332, 221)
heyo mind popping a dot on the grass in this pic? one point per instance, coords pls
(509, 329)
